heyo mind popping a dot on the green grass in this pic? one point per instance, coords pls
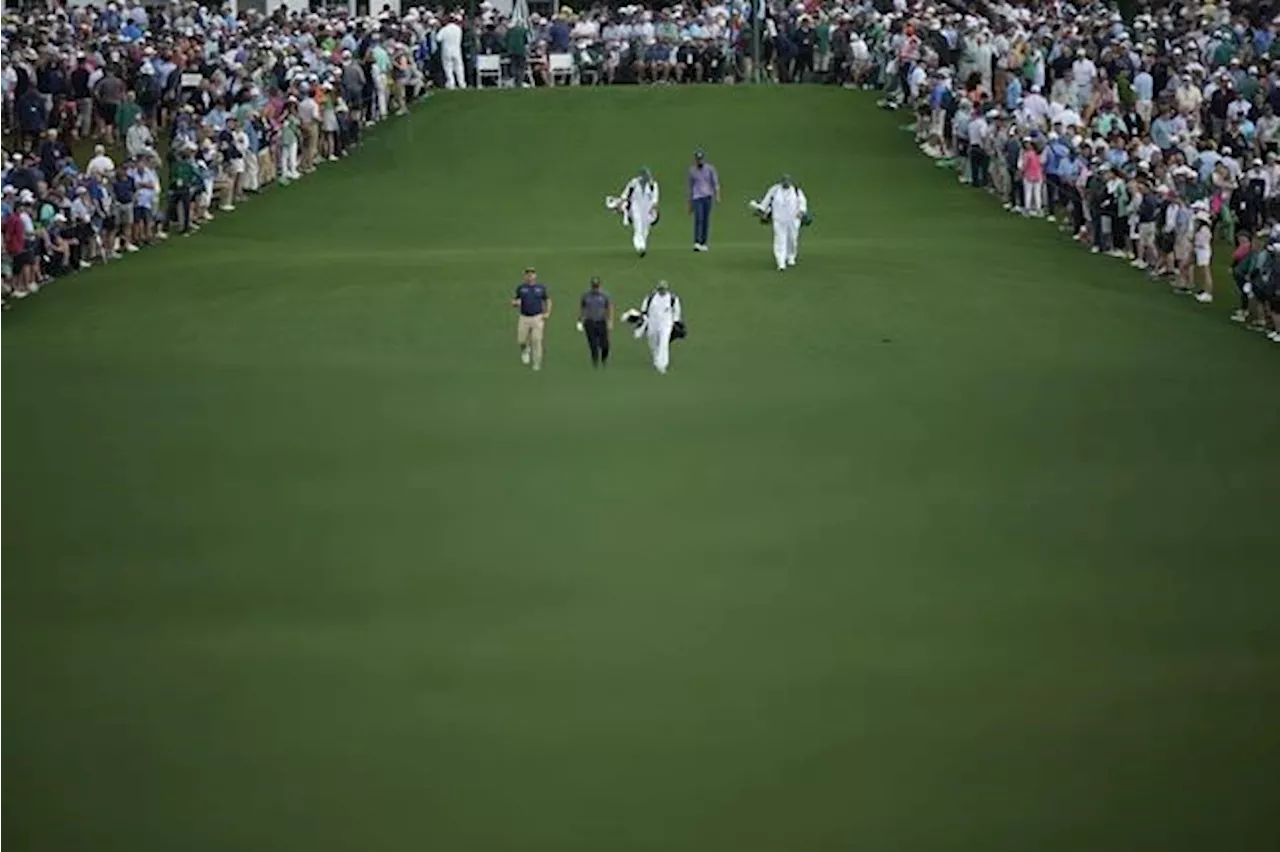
(953, 538)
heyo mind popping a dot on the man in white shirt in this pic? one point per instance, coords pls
(979, 130)
(138, 138)
(101, 163)
(1035, 109)
(1083, 72)
(450, 41)
(309, 122)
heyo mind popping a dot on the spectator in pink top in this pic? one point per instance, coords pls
(1032, 180)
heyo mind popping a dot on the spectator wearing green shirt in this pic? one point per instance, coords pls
(824, 47)
(127, 112)
(184, 181)
(518, 52)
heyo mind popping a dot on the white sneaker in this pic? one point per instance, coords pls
(1051, 218)
(791, 261)
(1008, 206)
(1239, 316)
(130, 247)
(227, 208)
(1137, 264)
(524, 357)
(1095, 249)
(537, 367)
(1274, 336)
(1204, 298)
(700, 247)
(84, 264)
(333, 159)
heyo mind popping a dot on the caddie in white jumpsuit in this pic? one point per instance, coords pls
(450, 41)
(639, 202)
(661, 311)
(786, 205)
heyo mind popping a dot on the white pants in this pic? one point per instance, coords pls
(640, 225)
(1033, 196)
(786, 240)
(380, 90)
(289, 160)
(249, 183)
(455, 75)
(660, 346)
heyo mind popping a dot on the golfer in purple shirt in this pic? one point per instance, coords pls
(704, 187)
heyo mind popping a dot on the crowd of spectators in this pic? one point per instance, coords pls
(129, 124)
(1155, 140)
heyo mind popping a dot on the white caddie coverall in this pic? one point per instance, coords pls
(785, 205)
(450, 40)
(661, 310)
(639, 208)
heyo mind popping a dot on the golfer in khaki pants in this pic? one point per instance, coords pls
(534, 304)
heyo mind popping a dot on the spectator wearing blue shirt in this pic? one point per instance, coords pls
(124, 190)
(1013, 94)
(534, 304)
(559, 35)
(1069, 171)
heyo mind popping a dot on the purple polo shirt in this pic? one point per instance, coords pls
(703, 182)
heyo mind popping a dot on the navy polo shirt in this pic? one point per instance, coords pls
(532, 299)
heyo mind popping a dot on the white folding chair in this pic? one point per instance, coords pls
(489, 67)
(561, 65)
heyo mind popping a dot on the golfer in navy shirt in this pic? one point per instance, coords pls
(534, 304)
(704, 188)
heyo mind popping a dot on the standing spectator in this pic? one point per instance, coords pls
(138, 138)
(33, 117)
(101, 163)
(290, 140)
(83, 95)
(1032, 179)
(1203, 242)
(518, 52)
(124, 191)
(128, 113)
(148, 186)
(185, 179)
(109, 93)
(309, 121)
(233, 164)
(53, 154)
